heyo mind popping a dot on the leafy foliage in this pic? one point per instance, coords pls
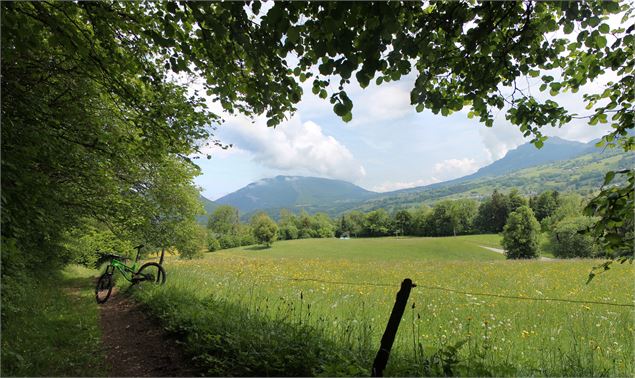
(614, 205)
(567, 241)
(264, 228)
(544, 204)
(90, 88)
(493, 212)
(520, 235)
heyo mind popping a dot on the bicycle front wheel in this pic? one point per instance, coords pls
(104, 288)
(151, 272)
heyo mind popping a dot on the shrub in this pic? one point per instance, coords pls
(213, 244)
(520, 234)
(264, 228)
(565, 240)
(228, 241)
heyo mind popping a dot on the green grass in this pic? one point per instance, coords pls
(251, 312)
(52, 328)
(461, 248)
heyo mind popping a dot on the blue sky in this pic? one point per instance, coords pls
(387, 146)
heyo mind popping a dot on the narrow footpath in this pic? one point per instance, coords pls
(502, 251)
(135, 346)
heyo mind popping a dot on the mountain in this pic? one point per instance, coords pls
(583, 174)
(524, 156)
(209, 206)
(527, 155)
(295, 193)
(559, 165)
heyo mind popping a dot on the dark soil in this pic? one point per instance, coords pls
(135, 345)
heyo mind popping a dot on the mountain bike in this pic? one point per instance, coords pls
(149, 272)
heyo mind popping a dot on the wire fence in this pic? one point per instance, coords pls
(456, 291)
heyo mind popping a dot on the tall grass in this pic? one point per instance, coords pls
(52, 329)
(241, 313)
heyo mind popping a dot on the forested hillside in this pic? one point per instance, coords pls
(582, 174)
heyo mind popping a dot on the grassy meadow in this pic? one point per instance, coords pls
(252, 311)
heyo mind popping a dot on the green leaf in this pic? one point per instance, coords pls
(293, 34)
(419, 108)
(600, 41)
(609, 177)
(568, 27)
(339, 109)
(347, 117)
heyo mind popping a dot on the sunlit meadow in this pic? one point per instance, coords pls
(465, 334)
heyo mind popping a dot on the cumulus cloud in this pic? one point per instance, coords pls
(454, 168)
(499, 139)
(294, 146)
(390, 186)
(383, 103)
(373, 104)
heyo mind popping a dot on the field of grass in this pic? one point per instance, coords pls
(314, 307)
(463, 248)
(52, 329)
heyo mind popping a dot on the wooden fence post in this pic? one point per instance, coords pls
(381, 359)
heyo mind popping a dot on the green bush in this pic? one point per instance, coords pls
(212, 244)
(264, 228)
(566, 241)
(228, 241)
(520, 234)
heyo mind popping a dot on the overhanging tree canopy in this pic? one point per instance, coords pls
(88, 100)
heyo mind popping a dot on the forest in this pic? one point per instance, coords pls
(557, 220)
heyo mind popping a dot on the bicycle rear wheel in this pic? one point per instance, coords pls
(151, 272)
(104, 288)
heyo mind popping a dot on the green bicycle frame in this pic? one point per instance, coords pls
(126, 271)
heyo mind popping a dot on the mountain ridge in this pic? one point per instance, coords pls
(556, 163)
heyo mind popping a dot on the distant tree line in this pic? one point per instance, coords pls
(551, 221)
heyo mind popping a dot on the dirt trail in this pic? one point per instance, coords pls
(502, 251)
(135, 346)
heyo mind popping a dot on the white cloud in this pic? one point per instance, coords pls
(390, 186)
(499, 139)
(218, 152)
(386, 102)
(383, 103)
(293, 146)
(454, 168)
(579, 130)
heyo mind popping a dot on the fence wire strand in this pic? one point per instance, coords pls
(456, 291)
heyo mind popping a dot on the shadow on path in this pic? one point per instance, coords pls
(135, 345)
